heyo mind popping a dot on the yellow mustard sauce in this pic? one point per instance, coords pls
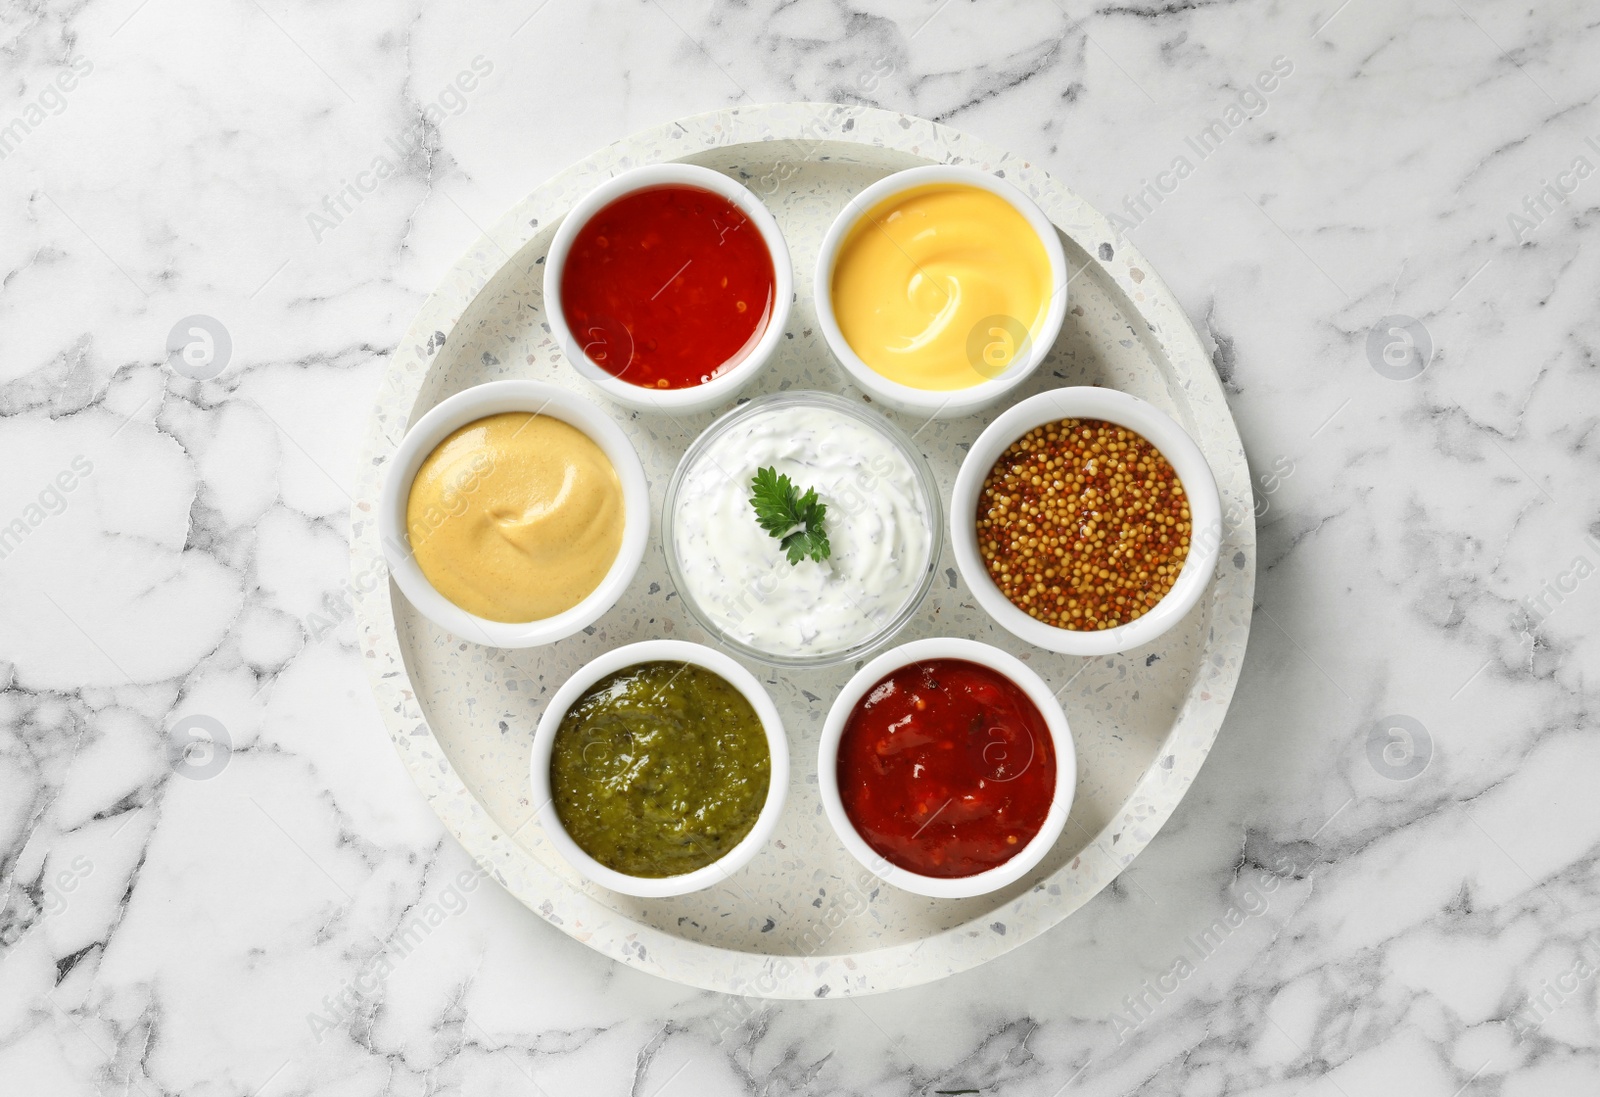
(940, 286)
(516, 517)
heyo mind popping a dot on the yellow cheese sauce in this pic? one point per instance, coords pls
(516, 517)
(940, 286)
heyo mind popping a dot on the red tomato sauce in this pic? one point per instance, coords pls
(947, 768)
(668, 287)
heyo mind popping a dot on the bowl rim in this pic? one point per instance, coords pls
(936, 402)
(651, 651)
(1112, 406)
(973, 651)
(719, 389)
(469, 405)
(932, 496)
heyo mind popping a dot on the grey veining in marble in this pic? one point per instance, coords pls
(1383, 880)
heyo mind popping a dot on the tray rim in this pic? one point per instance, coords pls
(642, 946)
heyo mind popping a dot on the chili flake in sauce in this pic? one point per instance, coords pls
(1083, 524)
(946, 768)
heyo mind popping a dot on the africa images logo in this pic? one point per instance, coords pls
(1399, 347)
(199, 347)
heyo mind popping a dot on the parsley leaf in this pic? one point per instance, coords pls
(794, 518)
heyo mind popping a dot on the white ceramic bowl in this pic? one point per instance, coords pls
(921, 651)
(653, 651)
(925, 402)
(719, 390)
(1205, 516)
(492, 399)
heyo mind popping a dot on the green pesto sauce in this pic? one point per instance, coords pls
(659, 769)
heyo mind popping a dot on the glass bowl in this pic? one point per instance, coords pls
(885, 620)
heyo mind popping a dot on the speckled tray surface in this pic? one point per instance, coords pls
(803, 919)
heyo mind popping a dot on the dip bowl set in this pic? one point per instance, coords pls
(782, 411)
(483, 685)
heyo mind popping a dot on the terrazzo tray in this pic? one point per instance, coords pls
(802, 920)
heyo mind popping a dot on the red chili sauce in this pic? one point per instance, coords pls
(667, 287)
(947, 768)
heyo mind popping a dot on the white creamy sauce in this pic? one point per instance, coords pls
(877, 523)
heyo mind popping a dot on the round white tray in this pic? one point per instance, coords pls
(802, 920)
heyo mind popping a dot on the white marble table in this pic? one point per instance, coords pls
(1338, 908)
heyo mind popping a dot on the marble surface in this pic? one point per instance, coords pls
(1383, 880)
